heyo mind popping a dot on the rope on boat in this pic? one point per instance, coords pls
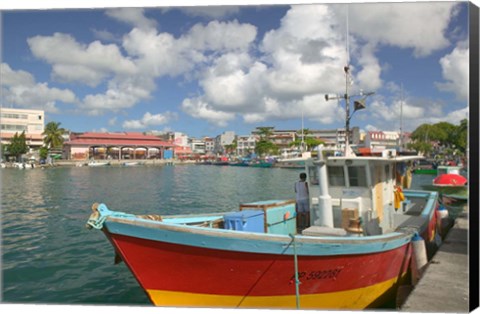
(297, 281)
(100, 214)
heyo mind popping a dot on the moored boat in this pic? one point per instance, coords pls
(229, 260)
(260, 163)
(356, 252)
(95, 163)
(296, 161)
(130, 163)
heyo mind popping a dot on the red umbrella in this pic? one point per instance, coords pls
(450, 179)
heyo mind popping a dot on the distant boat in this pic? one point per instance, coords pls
(95, 163)
(295, 160)
(450, 183)
(425, 167)
(131, 163)
(238, 163)
(23, 165)
(260, 164)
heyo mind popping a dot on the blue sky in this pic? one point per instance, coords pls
(205, 70)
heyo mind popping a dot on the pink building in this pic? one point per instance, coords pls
(121, 145)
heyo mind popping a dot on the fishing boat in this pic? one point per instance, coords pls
(354, 256)
(296, 160)
(95, 163)
(450, 183)
(357, 251)
(130, 163)
(260, 163)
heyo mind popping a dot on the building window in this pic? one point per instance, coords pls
(14, 128)
(313, 175)
(336, 176)
(39, 117)
(357, 176)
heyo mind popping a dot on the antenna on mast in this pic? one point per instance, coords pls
(357, 104)
(401, 118)
(346, 37)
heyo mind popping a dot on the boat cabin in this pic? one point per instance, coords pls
(356, 190)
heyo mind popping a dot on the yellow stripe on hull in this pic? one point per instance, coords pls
(351, 299)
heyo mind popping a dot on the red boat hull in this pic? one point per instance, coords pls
(180, 275)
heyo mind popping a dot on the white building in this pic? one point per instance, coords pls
(209, 145)
(197, 145)
(19, 120)
(226, 138)
(246, 144)
(378, 141)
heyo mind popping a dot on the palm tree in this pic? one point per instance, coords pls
(53, 135)
(265, 132)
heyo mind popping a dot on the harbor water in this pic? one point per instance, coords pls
(49, 257)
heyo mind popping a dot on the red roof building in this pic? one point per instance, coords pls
(121, 145)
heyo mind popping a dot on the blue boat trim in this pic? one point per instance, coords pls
(221, 239)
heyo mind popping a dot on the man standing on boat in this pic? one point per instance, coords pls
(302, 202)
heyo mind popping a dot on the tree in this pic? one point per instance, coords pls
(43, 152)
(310, 143)
(449, 136)
(461, 136)
(18, 145)
(231, 148)
(53, 135)
(264, 147)
(265, 132)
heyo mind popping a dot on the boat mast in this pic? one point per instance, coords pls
(302, 147)
(347, 98)
(359, 104)
(401, 120)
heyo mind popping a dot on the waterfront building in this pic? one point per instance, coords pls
(283, 138)
(113, 145)
(30, 121)
(378, 141)
(246, 144)
(222, 140)
(197, 145)
(209, 145)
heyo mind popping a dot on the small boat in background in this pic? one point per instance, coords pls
(451, 185)
(95, 163)
(425, 167)
(130, 163)
(259, 163)
(296, 160)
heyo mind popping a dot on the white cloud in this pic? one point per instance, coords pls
(455, 71)
(75, 62)
(223, 36)
(132, 16)
(121, 94)
(149, 120)
(202, 110)
(416, 25)
(288, 73)
(20, 88)
(216, 12)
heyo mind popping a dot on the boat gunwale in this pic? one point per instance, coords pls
(245, 235)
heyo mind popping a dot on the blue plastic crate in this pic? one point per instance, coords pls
(247, 220)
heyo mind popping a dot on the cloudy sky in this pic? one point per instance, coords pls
(208, 69)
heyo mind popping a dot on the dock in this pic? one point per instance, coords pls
(444, 285)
